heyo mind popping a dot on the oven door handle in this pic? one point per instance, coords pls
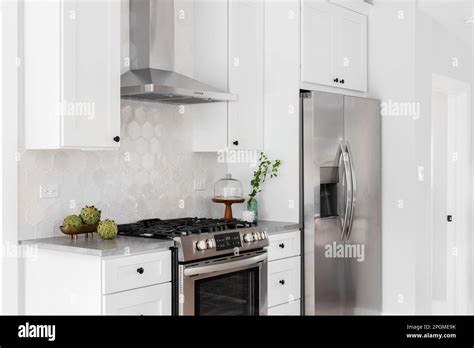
(224, 266)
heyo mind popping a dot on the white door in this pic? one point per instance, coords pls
(350, 48)
(246, 48)
(451, 195)
(90, 73)
(317, 35)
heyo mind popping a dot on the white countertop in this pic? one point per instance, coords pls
(121, 245)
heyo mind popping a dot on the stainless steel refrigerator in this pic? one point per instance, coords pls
(341, 196)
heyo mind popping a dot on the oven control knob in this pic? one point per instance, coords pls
(210, 243)
(201, 245)
(264, 235)
(248, 237)
(256, 236)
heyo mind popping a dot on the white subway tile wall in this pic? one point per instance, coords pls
(151, 175)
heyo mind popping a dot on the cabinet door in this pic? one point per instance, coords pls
(90, 73)
(350, 48)
(290, 308)
(210, 38)
(130, 272)
(317, 36)
(283, 245)
(246, 47)
(284, 281)
(150, 300)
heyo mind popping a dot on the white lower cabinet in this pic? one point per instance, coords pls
(150, 300)
(290, 308)
(284, 281)
(69, 283)
(283, 245)
(124, 273)
(284, 273)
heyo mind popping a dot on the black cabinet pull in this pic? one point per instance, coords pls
(450, 218)
(236, 143)
(140, 270)
(282, 282)
(342, 81)
(282, 245)
(336, 80)
(117, 139)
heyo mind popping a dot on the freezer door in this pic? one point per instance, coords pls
(323, 127)
(362, 129)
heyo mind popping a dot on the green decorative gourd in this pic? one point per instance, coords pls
(90, 215)
(107, 229)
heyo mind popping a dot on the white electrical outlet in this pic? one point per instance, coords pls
(400, 298)
(199, 181)
(49, 191)
(421, 173)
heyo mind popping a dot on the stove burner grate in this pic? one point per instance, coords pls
(168, 229)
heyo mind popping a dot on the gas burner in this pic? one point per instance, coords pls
(201, 238)
(168, 229)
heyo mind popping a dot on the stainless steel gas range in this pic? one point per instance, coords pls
(219, 267)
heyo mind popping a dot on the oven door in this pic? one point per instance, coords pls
(234, 285)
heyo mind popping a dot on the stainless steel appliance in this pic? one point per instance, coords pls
(341, 195)
(220, 266)
(152, 76)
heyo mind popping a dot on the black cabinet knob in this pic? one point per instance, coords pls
(342, 81)
(236, 143)
(117, 139)
(450, 218)
(282, 282)
(336, 80)
(281, 245)
(140, 270)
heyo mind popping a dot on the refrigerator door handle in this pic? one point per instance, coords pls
(343, 159)
(353, 192)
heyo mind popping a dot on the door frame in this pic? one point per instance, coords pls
(458, 106)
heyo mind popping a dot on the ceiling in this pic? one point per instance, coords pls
(452, 15)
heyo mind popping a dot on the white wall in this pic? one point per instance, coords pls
(8, 148)
(391, 77)
(470, 243)
(1, 152)
(406, 46)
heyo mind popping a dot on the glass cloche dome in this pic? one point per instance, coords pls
(228, 188)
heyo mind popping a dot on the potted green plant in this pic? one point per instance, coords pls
(266, 168)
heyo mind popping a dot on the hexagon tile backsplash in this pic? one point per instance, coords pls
(151, 175)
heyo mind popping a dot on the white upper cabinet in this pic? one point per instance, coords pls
(333, 46)
(350, 60)
(210, 50)
(72, 74)
(229, 54)
(317, 35)
(246, 73)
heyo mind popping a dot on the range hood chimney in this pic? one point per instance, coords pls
(151, 76)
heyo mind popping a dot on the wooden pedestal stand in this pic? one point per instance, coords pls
(228, 205)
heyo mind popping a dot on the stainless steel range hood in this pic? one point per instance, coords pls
(151, 77)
